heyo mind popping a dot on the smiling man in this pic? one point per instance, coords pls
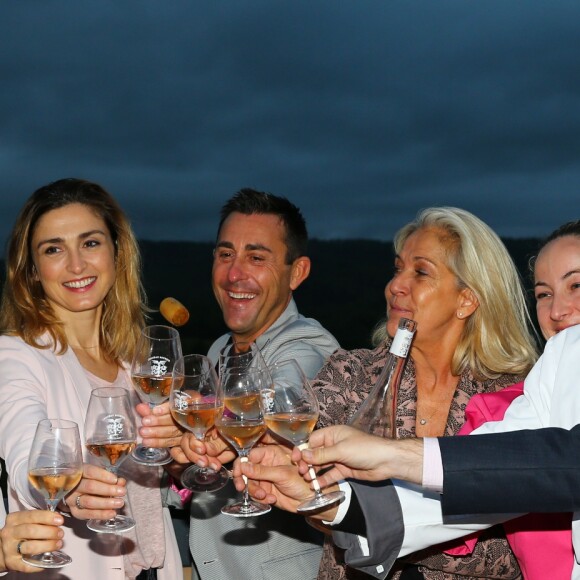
(259, 261)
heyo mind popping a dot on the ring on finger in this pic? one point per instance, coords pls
(19, 545)
(78, 502)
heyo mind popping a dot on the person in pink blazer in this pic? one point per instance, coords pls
(72, 310)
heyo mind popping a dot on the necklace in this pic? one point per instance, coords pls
(424, 420)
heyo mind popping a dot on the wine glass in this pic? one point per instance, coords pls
(194, 403)
(55, 468)
(158, 349)
(110, 436)
(240, 421)
(291, 411)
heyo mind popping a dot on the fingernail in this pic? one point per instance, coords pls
(146, 421)
(58, 519)
(118, 503)
(59, 543)
(121, 491)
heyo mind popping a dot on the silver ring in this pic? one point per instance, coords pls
(78, 502)
(18, 546)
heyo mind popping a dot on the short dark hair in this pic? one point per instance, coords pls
(567, 229)
(249, 201)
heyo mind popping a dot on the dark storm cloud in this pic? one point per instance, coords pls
(360, 112)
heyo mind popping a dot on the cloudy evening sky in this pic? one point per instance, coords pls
(360, 112)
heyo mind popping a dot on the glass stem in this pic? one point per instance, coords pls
(114, 471)
(47, 557)
(150, 451)
(246, 496)
(312, 473)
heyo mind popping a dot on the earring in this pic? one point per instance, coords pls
(460, 314)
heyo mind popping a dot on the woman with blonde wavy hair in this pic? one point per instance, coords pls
(455, 278)
(72, 310)
(496, 337)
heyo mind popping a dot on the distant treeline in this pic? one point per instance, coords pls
(345, 290)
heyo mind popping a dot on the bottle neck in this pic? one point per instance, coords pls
(401, 343)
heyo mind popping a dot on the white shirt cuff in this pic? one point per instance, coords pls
(432, 465)
(343, 506)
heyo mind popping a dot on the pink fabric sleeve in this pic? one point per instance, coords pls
(482, 408)
(184, 493)
(542, 543)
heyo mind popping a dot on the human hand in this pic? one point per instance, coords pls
(98, 495)
(212, 452)
(340, 447)
(158, 429)
(273, 478)
(27, 533)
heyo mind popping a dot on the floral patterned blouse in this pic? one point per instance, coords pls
(341, 385)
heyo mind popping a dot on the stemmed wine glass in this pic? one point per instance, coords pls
(158, 349)
(110, 436)
(291, 411)
(194, 404)
(240, 421)
(55, 468)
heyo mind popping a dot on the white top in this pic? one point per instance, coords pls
(36, 384)
(551, 399)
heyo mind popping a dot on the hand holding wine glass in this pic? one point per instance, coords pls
(54, 469)
(158, 348)
(194, 403)
(110, 436)
(241, 422)
(291, 412)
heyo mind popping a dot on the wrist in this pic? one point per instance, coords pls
(408, 459)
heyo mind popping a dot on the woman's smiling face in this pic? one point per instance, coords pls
(74, 257)
(557, 285)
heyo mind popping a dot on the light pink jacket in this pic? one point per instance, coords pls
(37, 384)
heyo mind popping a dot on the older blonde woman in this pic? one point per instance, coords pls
(455, 278)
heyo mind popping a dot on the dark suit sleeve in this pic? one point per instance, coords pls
(520, 471)
(383, 518)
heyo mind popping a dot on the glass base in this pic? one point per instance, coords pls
(151, 455)
(54, 559)
(118, 524)
(249, 510)
(321, 501)
(199, 479)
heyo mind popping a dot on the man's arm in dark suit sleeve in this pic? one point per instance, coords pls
(520, 471)
(381, 512)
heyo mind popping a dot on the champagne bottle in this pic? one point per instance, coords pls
(377, 413)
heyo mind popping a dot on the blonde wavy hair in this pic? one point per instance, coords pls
(25, 310)
(498, 337)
